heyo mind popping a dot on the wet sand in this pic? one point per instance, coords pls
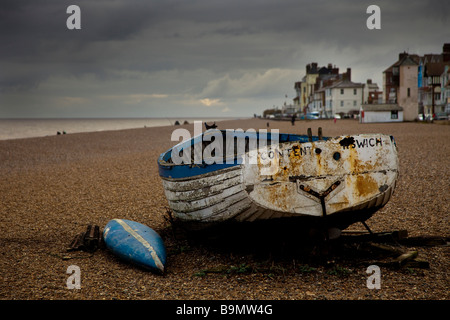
(51, 188)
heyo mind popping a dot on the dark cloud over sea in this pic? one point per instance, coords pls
(195, 58)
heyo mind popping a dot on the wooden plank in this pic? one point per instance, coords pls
(91, 239)
(425, 241)
(417, 263)
(77, 242)
(402, 259)
(378, 237)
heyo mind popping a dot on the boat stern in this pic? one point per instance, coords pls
(321, 178)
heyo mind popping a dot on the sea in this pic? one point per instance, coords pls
(29, 128)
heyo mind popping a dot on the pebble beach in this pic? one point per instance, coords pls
(52, 187)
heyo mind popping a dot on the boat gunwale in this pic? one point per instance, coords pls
(282, 138)
(205, 169)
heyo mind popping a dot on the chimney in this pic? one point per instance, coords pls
(402, 55)
(349, 74)
(446, 52)
(446, 47)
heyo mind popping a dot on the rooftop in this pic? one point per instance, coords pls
(436, 68)
(405, 59)
(381, 107)
(344, 84)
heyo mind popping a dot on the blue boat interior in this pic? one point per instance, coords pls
(168, 169)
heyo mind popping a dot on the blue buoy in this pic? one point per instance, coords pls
(136, 243)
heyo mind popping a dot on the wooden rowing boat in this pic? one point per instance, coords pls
(297, 177)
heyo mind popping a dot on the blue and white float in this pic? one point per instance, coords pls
(136, 243)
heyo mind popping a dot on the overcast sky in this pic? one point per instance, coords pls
(136, 58)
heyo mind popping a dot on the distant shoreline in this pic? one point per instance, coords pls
(22, 128)
(122, 118)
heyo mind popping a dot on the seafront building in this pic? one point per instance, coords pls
(372, 93)
(326, 92)
(343, 98)
(400, 83)
(434, 86)
(445, 89)
(419, 84)
(305, 99)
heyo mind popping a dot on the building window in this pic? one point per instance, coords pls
(394, 115)
(354, 92)
(342, 91)
(354, 103)
(342, 103)
(409, 92)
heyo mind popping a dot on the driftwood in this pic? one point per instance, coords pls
(417, 263)
(399, 258)
(426, 241)
(408, 260)
(410, 255)
(392, 256)
(379, 237)
(389, 250)
(398, 237)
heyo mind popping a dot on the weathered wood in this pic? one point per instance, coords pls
(378, 244)
(402, 259)
(378, 237)
(87, 241)
(417, 263)
(91, 239)
(77, 242)
(386, 249)
(398, 236)
(410, 255)
(425, 241)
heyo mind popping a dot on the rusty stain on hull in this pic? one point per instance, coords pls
(365, 185)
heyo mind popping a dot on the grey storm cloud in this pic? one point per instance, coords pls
(189, 53)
